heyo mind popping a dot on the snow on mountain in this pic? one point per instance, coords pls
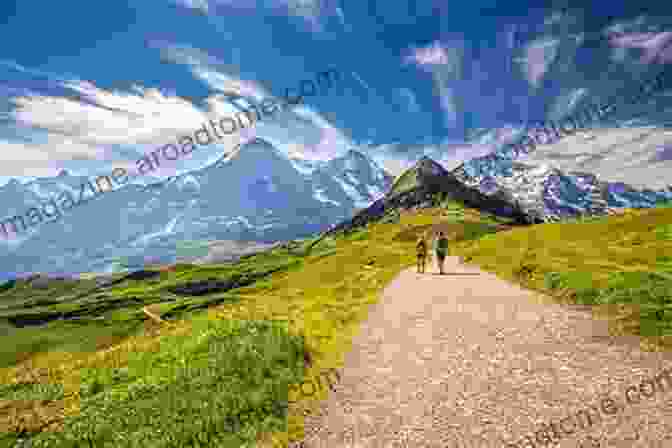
(361, 178)
(633, 155)
(304, 166)
(319, 195)
(577, 175)
(253, 194)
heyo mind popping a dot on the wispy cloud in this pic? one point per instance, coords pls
(303, 121)
(88, 123)
(115, 127)
(539, 55)
(657, 47)
(210, 70)
(200, 5)
(313, 12)
(444, 62)
(433, 54)
(332, 141)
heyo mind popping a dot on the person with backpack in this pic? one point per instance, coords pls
(441, 251)
(421, 249)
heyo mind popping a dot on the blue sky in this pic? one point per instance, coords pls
(89, 86)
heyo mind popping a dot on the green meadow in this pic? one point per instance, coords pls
(239, 337)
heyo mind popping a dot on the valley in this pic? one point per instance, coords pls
(318, 292)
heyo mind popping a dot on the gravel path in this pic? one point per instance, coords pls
(469, 360)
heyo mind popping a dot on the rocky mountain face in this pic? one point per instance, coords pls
(426, 184)
(254, 194)
(503, 185)
(547, 193)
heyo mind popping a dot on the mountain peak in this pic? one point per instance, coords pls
(425, 171)
(257, 147)
(427, 166)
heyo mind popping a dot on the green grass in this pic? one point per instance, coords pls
(322, 296)
(119, 306)
(77, 336)
(406, 181)
(219, 385)
(219, 370)
(31, 391)
(617, 263)
(62, 350)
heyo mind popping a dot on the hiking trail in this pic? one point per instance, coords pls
(469, 360)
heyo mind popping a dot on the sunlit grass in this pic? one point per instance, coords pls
(322, 296)
(616, 260)
(193, 365)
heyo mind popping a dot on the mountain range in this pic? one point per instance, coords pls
(589, 172)
(256, 193)
(259, 195)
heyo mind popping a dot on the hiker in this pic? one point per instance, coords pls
(421, 248)
(441, 250)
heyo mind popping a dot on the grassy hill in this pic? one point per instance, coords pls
(425, 170)
(622, 265)
(240, 337)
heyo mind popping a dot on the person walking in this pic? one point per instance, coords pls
(421, 249)
(441, 251)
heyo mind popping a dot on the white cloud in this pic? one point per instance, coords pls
(43, 158)
(113, 128)
(104, 127)
(447, 101)
(200, 5)
(444, 62)
(212, 71)
(539, 55)
(431, 55)
(333, 141)
(109, 117)
(657, 47)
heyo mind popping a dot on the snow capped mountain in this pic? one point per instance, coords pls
(574, 177)
(638, 156)
(255, 193)
(359, 179)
